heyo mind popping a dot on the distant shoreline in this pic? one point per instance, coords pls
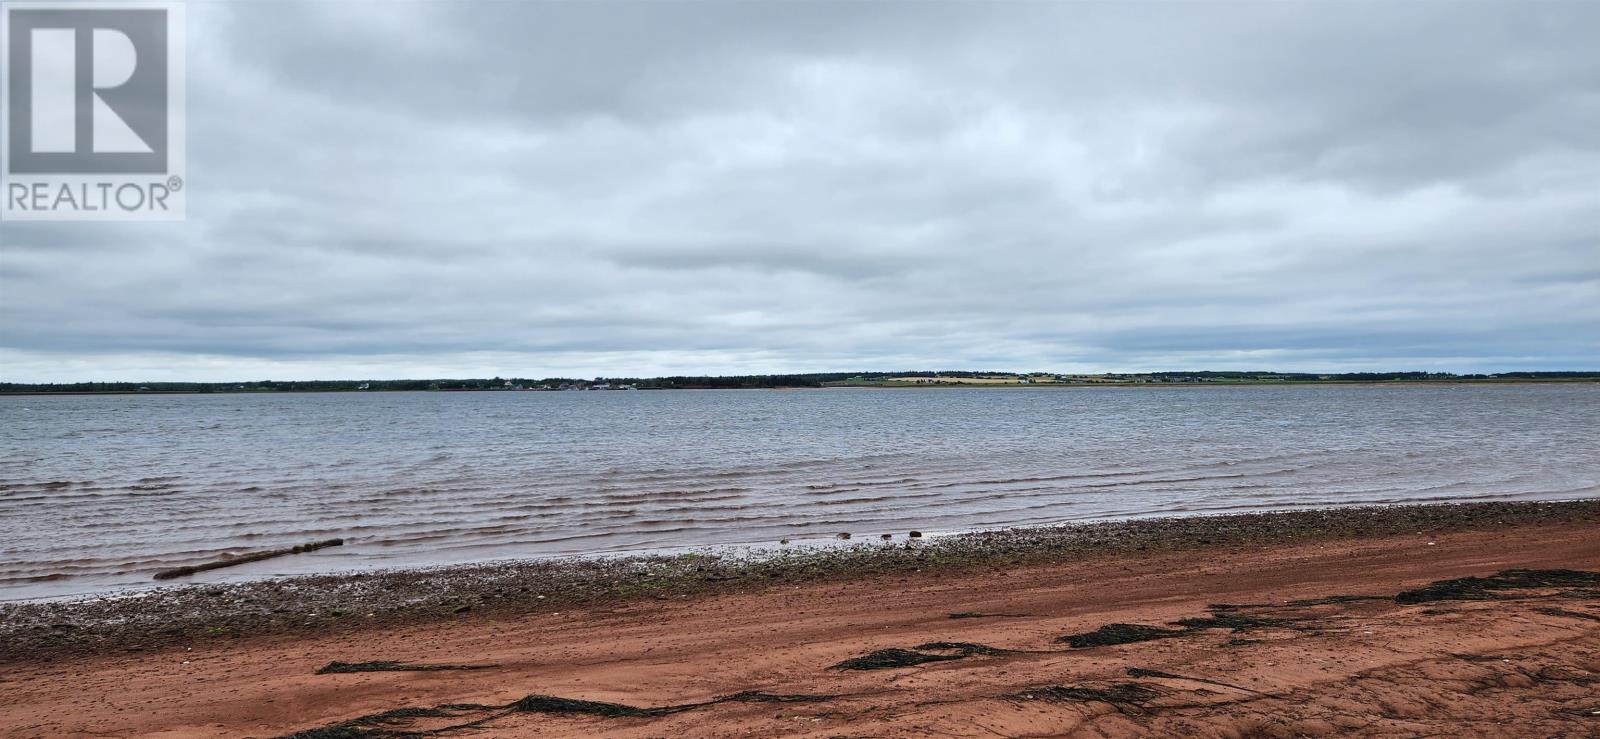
(786, 381)
(864, 386)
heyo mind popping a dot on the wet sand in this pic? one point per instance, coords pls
(1298, 637)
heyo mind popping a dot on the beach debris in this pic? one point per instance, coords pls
(553, 704)
(1333, 600)
(915, 535)
(337, 667)
(401, 721)
(1126, 697)
(842, 535)
(1229, 620)
(1223, 616)
(381, 724)
(1484, 588)
(886, 537)
(1567, 613)
(937, 651)
(1112, 634)
(1142, 672)
(980, 614)
(1228, 615)
(246, 558)
(887, 659)
(964, 648)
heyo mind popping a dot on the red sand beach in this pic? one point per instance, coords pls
(1274, 653)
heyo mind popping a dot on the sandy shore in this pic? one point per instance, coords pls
(1315, 642)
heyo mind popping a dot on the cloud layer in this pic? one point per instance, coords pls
(532, 189)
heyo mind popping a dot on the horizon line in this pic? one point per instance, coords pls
(842, 375)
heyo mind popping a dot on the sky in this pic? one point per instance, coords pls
(471, 189)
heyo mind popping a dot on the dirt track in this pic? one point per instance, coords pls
(1525, 663)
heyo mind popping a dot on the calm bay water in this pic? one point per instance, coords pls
(99, 492)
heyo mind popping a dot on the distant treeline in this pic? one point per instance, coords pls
(815, 379)
(1365, 376)
(495, 383)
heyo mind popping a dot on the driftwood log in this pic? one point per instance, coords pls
(257, 557)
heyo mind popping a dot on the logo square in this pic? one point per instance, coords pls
(94, 106)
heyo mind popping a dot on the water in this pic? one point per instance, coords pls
(99, 492)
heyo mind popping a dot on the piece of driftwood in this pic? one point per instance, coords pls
(257, 557)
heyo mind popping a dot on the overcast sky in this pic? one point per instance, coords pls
(520, 189)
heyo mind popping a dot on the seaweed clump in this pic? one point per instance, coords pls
(1222, 617)
(401, 722)
(756, 696)
(557, 705)
(1334, 599)
(554, 704)
(336, 667)
(1112, 634)
(1127, 697)
(964, 648)
(386, 724)
(1567, 613)
(1235, 621)
(888, 659)
(1484, 588)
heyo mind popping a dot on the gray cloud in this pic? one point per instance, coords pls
(414, 189)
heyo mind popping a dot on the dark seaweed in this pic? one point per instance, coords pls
(965, 648)
(397, 723)
(1142, 672)
(887, 659)
(1111, 634)
(385, 724)
(1567, 613)
(1333, 599)
(1125, 697)
(386, 666)
(1235, 621)
(553, 704)
(1484, 588)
